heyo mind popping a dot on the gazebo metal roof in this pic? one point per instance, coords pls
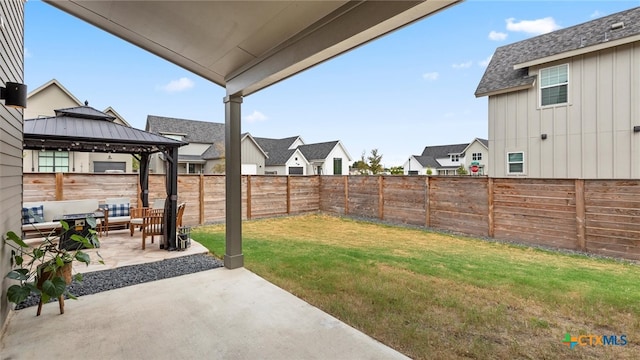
(86, 129)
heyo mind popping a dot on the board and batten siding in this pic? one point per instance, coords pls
(11, 70)
(591, 137)
(251, 154)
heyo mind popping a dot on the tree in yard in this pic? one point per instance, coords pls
(375, 160)
(461, 170)
(396, 170)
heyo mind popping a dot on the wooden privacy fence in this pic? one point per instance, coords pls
(598, 216)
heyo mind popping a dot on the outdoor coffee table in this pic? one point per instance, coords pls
(79, 225)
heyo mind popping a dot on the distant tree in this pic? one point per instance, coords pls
(429, 172)
(219, 168)
(361, 165)
(135, 163)
(461, 170)
(396, 170)
(375, 159)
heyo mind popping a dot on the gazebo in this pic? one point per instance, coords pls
(85, 129)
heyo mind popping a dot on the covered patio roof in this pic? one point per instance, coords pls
(246, 46)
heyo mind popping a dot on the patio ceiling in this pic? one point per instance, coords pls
(246, 46)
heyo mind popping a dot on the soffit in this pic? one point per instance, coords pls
(248, 45)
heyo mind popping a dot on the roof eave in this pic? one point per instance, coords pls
(506, 90)
(578, 52)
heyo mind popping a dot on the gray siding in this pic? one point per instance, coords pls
(590, 138)
(11, 69)
(252, 155)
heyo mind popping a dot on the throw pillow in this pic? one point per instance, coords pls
(32, 215)
(118, 210)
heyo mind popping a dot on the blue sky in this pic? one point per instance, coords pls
(410, 89)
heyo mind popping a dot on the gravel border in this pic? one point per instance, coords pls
(103, 280)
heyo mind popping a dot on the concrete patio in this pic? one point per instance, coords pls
(220, 314)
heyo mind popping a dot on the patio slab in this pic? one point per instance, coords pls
(225, 314)
(121, 249)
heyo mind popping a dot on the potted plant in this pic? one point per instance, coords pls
(45, 269)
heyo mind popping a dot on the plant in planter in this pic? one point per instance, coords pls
(45, 270)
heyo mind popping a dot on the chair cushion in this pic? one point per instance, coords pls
(116, 210)
(32, 215)
(136, 221)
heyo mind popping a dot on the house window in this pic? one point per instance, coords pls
(194, 169)
(515, 162)
(554, 84)
(337, 166)
(53, 161)
(455, 158)
(476, 156)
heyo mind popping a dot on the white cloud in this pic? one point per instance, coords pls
(181, 84)
(27, 54)
(430, 76)
(497, 36)
(534, 27)
(256, 116)
(485, 62)
(596, 14)
(464, 65)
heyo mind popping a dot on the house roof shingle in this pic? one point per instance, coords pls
(195, 131)
(500, 74)
(317, 151)
(427, 161)
(442, 151)
(277, 150)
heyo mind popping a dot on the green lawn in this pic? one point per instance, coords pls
(439, 296)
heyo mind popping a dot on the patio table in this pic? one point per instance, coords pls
(79, 225)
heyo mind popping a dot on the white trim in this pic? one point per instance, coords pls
(524, 169)
(549, 86)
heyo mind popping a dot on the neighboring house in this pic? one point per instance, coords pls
(205, 152)
(446, 159)
(45, 101)
(291, 156)
(565, 104)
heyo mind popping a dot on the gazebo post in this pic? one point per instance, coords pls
(144, 179)
(171, 204)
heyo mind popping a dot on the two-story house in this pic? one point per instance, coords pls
(565, 104)
(44, 101)
(291, 156)
(205, 152)
(447, 159)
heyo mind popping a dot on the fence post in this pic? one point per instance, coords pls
(580, 215)
(490, 201)
(201, 215)
(427, 201)
(381, 197)
(248, 197)
(288, 194)
(59, 186)
(346, 195)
